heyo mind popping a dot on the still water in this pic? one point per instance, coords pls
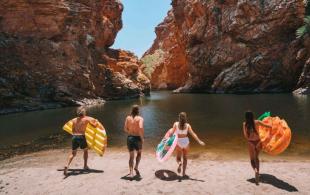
(217, 119)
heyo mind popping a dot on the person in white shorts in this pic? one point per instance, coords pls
(182, 128)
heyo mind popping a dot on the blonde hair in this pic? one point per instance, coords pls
(80, 111)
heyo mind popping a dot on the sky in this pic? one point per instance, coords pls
(140, 17)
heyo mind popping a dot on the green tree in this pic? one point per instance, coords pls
(151, 61)
(305, 29)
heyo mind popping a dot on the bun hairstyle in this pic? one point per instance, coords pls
(182, 120)
(81, 111)
(135, 110)
(249, 121)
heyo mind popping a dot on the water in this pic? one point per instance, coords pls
(217, 119)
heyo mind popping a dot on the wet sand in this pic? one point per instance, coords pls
(41, 173)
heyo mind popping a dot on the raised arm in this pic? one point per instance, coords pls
(191, 131)
(245, 132)
(94, 122)
(263, 124)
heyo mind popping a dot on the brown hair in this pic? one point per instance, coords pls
(80, 111)
(249, 121)
(134, 110)
(182, 120)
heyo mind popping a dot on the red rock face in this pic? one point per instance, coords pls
(229, 46)
(53, 52)
(170, 65)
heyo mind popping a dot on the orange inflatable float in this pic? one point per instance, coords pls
(276, 139)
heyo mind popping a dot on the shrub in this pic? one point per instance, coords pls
(305, 29)
(307, 5)
(151, 61)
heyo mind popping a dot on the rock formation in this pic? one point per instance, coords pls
(303, 55)
(56, 53)
(228, 46)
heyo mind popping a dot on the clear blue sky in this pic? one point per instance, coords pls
(140, 17)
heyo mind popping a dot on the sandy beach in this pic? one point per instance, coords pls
(41, 173)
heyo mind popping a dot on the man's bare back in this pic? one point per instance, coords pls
(134, 126)
(80, 124)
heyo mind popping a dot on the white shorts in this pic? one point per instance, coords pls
(183, 142)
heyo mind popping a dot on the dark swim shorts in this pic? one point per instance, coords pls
(134, 143)
(79, 141)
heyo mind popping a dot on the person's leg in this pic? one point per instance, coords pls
(138, 158)
(256, 168)
(131, 163)
(185, 152)
(130, 146)
(85, 158)
(83, 146)
(74, 146)
(72, 155)
(138, 148)
(251, 148)
(257, 150)
(257, 164)
(178, 158)
(253, 157)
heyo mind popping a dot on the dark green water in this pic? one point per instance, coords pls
(216, 119)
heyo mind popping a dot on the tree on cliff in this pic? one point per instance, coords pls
(305, 29)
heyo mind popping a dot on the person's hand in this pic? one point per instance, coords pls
(142, 140)
(202, 143)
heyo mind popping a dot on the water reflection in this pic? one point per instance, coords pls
(216, 118)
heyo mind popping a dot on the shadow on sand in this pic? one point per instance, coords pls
(272, 180)
(75, 172)
(134, 178)
(167, 175)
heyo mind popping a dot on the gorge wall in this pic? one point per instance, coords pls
(56, 53)
(229, 46)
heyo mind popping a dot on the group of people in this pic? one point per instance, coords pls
(135, 129)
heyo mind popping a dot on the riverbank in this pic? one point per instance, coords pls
(41, 173)
(37, 106)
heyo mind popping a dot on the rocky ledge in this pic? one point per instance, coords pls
(56, 53)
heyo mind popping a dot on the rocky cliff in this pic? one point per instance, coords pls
(56, 53)
(228, 46)
(303, 55)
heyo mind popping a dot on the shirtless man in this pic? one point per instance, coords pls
(78, 136)
(134, 128)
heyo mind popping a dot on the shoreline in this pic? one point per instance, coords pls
(40, 173)
(63, 142)
(99, 101)
(52, 105)
(58, 142)
(149, 152)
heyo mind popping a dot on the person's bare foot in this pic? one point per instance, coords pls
(137, 171)
(184, 176)
(256, 178)
(131, 174)
(179, 167)
(65, 171)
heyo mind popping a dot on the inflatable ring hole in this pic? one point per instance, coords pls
(166, 175)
